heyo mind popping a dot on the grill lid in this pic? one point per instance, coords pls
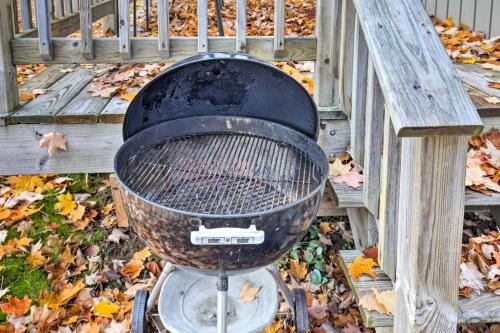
(223, 84)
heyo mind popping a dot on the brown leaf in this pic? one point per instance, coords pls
(324, 227)
(53, 141)
(16, 306)
(128, 96)
(318, 309)
(248, 293)
(371, 252)
(133, 268)
(298, 270)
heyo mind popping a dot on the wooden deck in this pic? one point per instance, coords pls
(482, 308)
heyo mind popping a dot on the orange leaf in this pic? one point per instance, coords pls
(371, 252)
(494, 85)
(297, 269)
(128, 96)
(25, 96)
(133, 268)
(361, 266)
(15, 305)
(496, 255)
(143, 254)
(324, 227)
(274, 327)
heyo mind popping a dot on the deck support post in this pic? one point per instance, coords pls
(9, 98)
(431, 208)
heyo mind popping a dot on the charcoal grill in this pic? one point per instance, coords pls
(221, 175)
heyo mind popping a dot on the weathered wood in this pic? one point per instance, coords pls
(324, 79)
(241, 25)
(430, 220)
(45, 107)
(423, 92)
(334, 136)
(483, 308)
(202, 26)
(359, 80)
(279, 28)
(91, 148)
(44, 33)
(163, 33)
(67, 8)
(346, 55)
(45, 78)
(484, 108)
(106, 50)
(87, 42)
(389, 199)
(121, 215)
(75, 6)
(26, 17)
(114, 112)
(108, 24)
(363, 226)
(125, 49)
(474, 77)
(328, 207)
(374, 126)
(83, 109)
(58, 8)
(8, 85)
(69, 24)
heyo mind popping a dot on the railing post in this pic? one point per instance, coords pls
(241, 26)
(163, 33)
(124, 28)
(42, 11)
(346, 55)
(26, 16)
(9, 99)
(324, 79)
(431, 212)
(202, 26)
(86, 29)
(279, 28)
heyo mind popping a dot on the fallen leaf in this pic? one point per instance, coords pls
(25, 96)
(65, 204)
(352, 179)
(471, 277)
(371, 252)
(106, 309)
(248, 293)
(16, 306)
(362, 266)
(143, 254)
(274, 327)
(133, 268)
(128, 96)
(324, 227)
(117, 327)
(318, 309)
(53, 141)
(337, 168)
(116, 235)
(298, 270)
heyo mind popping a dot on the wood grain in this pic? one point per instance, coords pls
(106, 50)
(26, 17)
(359, 82)
(124, 48)
(8, 82)
(346, 55)
(163, 32)
(44, 108)
(374, 129)
(87, 42)
(430, 220)
(44, 33)
(114, 112)
(279, 28)
(389, 199)
(241, 26)
(82, 109)
(422, 90)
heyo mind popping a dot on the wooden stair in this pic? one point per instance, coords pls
(484, 308)
(349, 197)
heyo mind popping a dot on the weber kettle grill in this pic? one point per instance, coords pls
(220, 175)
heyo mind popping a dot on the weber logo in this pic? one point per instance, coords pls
(243, 240)
(213, 240)
(227, 236)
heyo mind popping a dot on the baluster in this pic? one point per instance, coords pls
(44, 33)
(8, 86)
(374, 123)
(346, 55)
(67, 7)
(359, 79)
(58, 8)
(279, 28)
(202, 26)
(124, 29)
(241, 26)
(26, 15)
(86, 29)
(163, 33)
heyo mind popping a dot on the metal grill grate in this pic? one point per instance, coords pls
(222, 174)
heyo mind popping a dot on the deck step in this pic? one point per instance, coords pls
(348, 197)
(484, 308)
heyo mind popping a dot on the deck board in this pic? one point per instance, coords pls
(348, 197)
(83, 109)
(114, 112)
(44, 108)
(484, 308)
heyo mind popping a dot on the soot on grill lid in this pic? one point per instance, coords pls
(223, 84)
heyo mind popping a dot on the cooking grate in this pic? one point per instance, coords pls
(222, 174)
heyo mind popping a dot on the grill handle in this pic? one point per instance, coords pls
(227, 236)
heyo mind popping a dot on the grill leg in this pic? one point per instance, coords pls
(222, 285)
(275, 272)
(153, 296)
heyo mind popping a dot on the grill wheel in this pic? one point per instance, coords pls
(139, 322)
(301, 315)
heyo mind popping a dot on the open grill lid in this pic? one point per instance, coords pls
(223, 84)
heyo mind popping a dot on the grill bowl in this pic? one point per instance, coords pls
(218, 172)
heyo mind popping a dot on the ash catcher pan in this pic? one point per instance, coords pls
(223, 84)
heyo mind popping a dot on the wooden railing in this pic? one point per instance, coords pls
(410, 120)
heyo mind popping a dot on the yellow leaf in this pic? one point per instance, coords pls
(382, 302)
(274, 327)
(16, 306)
(107, 209)
(468, 60)
(106, 309)
(70, 320)
(133, 268)
(128, 96)
(25, 183)
(23, 241)
(66, 256)
(297, 269)
(449, 22)
(77, 213)
(143, 254)
(65, 204)
(35, 259)
(248, 293)
(69, 292)
(362, 266)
